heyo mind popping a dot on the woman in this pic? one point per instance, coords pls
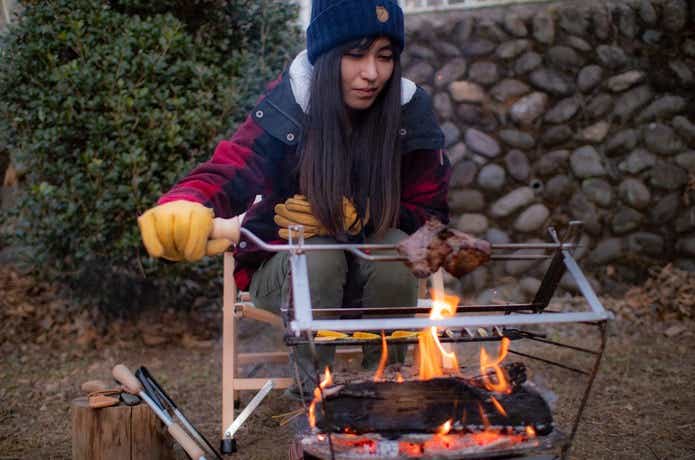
(340, 143)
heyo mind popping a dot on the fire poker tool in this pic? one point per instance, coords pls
(229, 443)
(154, 389)
(132, 385)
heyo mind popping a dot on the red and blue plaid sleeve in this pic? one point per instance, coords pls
(424, 188)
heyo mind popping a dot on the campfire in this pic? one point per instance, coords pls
(438, 408)
(439, 413)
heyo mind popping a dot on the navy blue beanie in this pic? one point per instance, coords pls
(334, 22)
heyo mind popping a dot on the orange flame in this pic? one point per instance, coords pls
(501, 385)
(379, 374)
(483, 417)
(530, 431)
(498, 406)
(444, 428)
(327, 380)
(431, 353)
(399, 378)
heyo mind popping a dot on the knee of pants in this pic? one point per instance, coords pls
(327, 270)
(392, 277)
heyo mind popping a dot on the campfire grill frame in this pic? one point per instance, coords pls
(300, 318)
(300, 323)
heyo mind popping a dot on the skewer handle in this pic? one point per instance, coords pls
(185, 441)
(131, 384)
(226, 228)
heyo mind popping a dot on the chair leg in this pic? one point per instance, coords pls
(229, 342)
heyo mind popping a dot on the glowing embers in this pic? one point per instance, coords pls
(454, 445)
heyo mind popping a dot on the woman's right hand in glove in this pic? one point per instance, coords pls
(180, 230)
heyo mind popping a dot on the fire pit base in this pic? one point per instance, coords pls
(460, 446)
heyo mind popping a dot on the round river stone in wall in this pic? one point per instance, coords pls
(465, 91)
(512, 49)
(637, 161)
(606, 251)
(508, 89)
(420, 72)
(453, 70)
(645, 243)
(518, 139)
(556, 135)
(532, 218)
(467, 200)
(484, 72)
(515, 25)
(622, 141)
(497, 236)
(611, 56)
(564, 57)
(630, 102)
(463, 174)
(528, 108)
(586, 162)
(551, 81)
(634, 193)
(478, 47)
(599, 191)
(668, 176)
(552, 162)
(625, 80)
(527, 62)
(563, 110)
(492, 177)
(517, 165)
(472, 223)
(514, 200)
(626, 220)
(661, 138)
(558, 189)
(481, 143)
(544, 27)
(589, 77)
(598, 105)
(666, 209)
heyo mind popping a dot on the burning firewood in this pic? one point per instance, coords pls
(423, 406)
(434, 245)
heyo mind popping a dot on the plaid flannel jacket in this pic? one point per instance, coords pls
(262, 153)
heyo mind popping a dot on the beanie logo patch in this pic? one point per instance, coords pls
(382, 14)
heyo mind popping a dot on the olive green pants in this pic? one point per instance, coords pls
(338, 279)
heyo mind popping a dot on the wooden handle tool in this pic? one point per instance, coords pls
(132, 385)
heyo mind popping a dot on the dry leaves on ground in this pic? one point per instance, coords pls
(668, 294)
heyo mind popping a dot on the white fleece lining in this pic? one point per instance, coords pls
(301, 71)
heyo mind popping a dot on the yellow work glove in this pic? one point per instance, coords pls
(179, 230)
(297, 210)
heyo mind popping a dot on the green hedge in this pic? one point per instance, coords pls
(103, 105)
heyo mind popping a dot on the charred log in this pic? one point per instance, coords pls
(424, 406)
(434, 245)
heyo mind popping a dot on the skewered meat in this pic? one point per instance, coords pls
(434, 245)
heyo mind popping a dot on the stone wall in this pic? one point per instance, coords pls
(555, 112)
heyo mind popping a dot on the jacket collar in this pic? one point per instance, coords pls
(301, 71)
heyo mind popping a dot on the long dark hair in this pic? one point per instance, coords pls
(353, 154)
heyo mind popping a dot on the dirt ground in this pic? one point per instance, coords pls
(642, 404)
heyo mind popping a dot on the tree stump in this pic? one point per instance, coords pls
(122, 432)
